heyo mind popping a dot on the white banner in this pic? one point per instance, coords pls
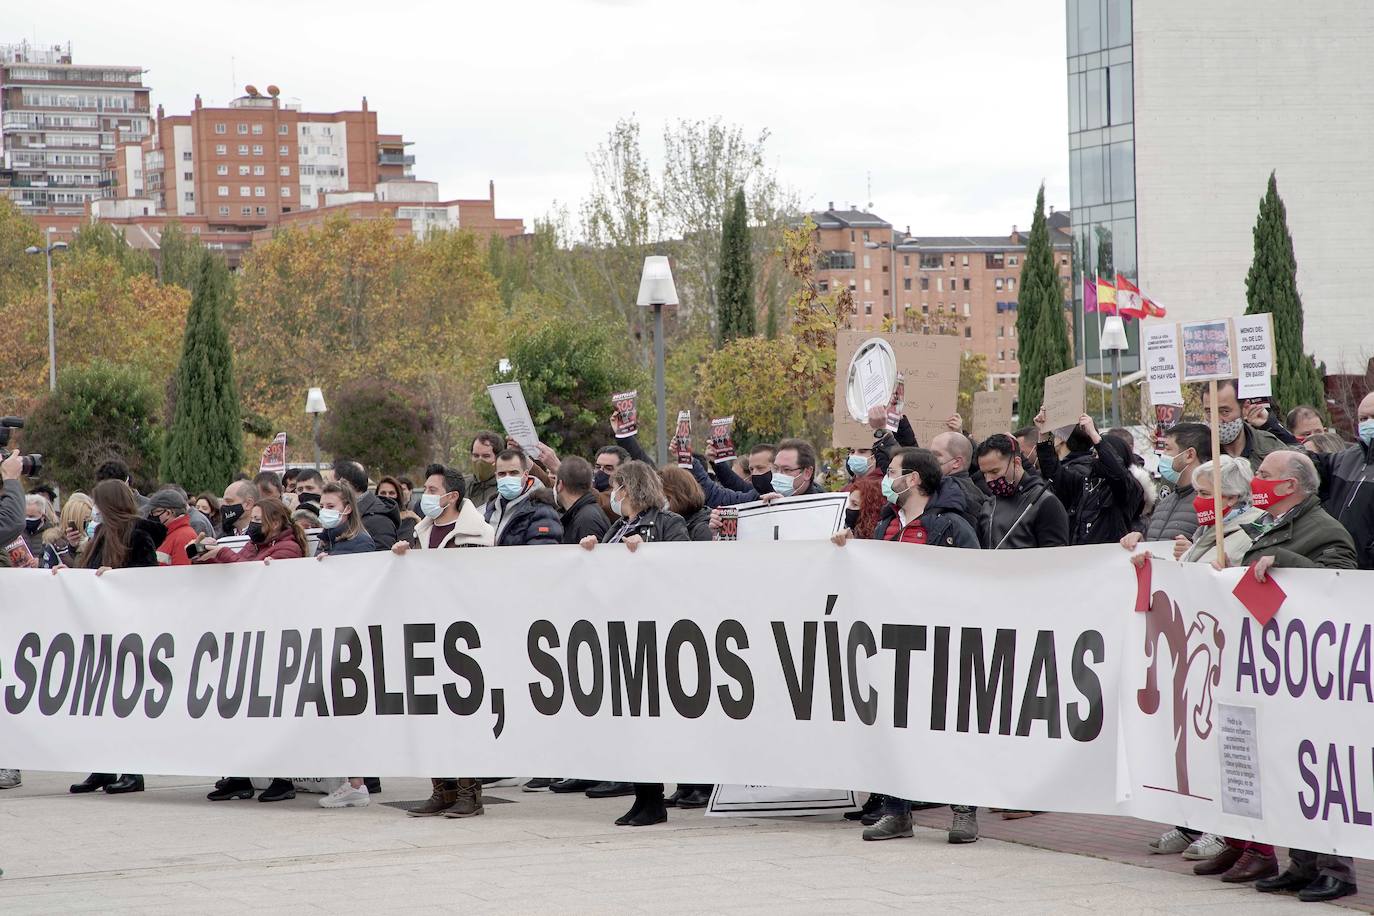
(1010, 679)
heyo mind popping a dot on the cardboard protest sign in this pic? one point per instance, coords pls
(1161, 362)
(928, 365)
(722, 437)
(625, 421)
(1255, 351)
(1207, 350)
(274, 456)
(1064, 400)
(992, 412)
(682, 439)
(509, 401)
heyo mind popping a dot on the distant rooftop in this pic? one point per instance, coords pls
(848, 219)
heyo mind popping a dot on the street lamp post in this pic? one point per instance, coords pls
(656, 288)
(47, 251)
(1114, 339)
(314, 405)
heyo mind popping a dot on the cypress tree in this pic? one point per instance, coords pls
(205, 439)
(735, 285)
(1272, 286)
(1041, 332)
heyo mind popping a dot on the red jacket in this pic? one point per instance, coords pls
(172, 550)
(281, 547)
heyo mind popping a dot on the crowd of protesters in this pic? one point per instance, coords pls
(1291, 494)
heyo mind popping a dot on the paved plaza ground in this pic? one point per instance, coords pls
(167, 851)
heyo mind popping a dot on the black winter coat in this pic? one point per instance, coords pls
(584, 518)
(1102, 496)
(1030, 517)
(943, 519)
(651, 525)
(699, 525)
(1347, 495)
(381, 518)
(143, 541)
(529, 519)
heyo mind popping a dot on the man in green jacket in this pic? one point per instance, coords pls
(1240, 437)
(1296, 531)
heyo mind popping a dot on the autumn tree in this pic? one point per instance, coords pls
(205, 437)
(381, 424)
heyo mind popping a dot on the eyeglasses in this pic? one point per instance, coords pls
(790, 472)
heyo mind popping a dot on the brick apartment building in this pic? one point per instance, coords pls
(975, 279)
(59, 125)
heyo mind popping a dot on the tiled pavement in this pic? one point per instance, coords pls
(168, 851)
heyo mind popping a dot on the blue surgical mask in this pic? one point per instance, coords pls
(1367, 431)
(1166, 469)
(330, 518)
(890, 492)
(617, 506)
(858, 465)
(510, 487)
(430, 505)
(783, 485)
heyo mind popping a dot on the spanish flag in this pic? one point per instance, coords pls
(1106, 297)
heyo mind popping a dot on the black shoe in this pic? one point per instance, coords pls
(129, 782)
(871, 804)
(624, 819)
(1326, 888)
(872, 817)
(373, 784)
(538, 784)
(279, 790)
(93, 782)
(564, 786)
(611, 790)
(925, 806)
(678, 795)
(697, 798)
(651, 813)
(230, 788)
(1284, 881)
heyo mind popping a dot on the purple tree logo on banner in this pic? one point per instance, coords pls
(1199, 643)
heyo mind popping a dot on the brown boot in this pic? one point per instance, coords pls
(1219, 863)
(469, 802)
(440, 800)
(1250, 867)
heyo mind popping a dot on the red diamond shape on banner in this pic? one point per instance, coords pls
(1261, 599)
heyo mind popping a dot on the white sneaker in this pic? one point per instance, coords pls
(10, 779)
(1204, 847)
(1170, 843)
(345, 796)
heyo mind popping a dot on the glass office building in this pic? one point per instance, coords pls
(1101, 163)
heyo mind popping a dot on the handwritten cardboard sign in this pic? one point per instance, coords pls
(1207, 349)
(1255, 352)
(1064, 400)
(1161, 362)
(992, 412)
(929, 365)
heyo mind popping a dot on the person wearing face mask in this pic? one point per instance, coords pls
(954, 451)
(1347, 484)
(62, 544)
(381, 517)
(522, 512)
(341, 525)
(389, 488)
(1238, 436)
(1094, 482)
(729, 489)
(865, 493)
(239, 499)
(923, 507)
(638, 497)
(1021, 512)
(168, 506)
(1186, 446)
(38, 519)
(608, 460)
(480, 483)
(1304, 422)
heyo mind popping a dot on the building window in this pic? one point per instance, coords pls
(1001, 331)
(1011, 284)
(968, 331)
(925, 308)
(257, 149)
(283, 129)
(245, 191)
(223, 211)
(189, 195)
(837, 260)
(1013, 354)
(966, 309)
(221, 149)
(925, 283)
(243, 149)
(1012, 261)
(262, 211)
(939, 284)
(285, 191)
(257, 128)
(259, 170)
(865, 235)
(999, 283)
(995, 261)
(188, 176)
(868, 285)
(1001, 356)
(867, 262)
(219, 128)
(906, 260)
(243, 170)
(221, 170)
(286, 171)
(931, 262)
(852, 287)
(243, 129)
(186, 155)
(906, 283)
(951, 260)
(247, 211)
(868, 308)
(823, 286)
(968, 284)
(223, 190)
(965, 260)
(285, 150)
(259, 191)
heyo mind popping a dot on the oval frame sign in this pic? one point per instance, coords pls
(871, 379)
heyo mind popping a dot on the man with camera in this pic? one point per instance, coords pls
(11, 498)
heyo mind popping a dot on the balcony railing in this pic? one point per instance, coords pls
(396, 159)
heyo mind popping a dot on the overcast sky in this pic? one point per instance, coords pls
(956, 108)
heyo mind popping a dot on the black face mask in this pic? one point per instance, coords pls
(602, 481)
(851, 518)
(31, 525)
(230, 515)
(763, 483)
(306, 499)
(255, 533)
